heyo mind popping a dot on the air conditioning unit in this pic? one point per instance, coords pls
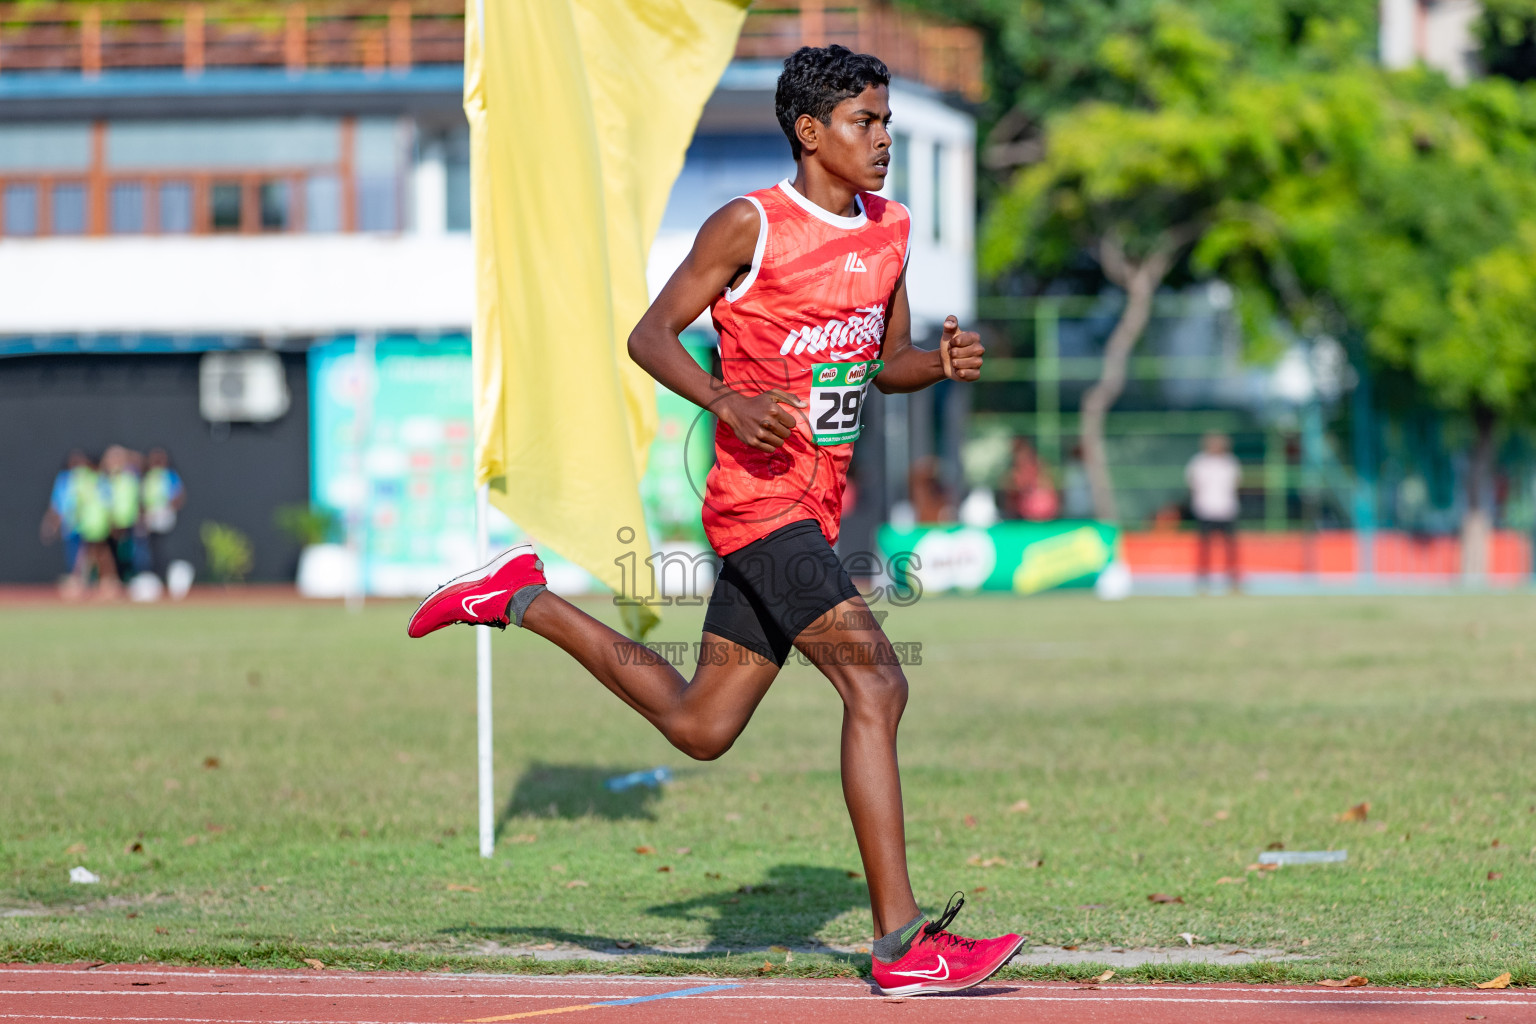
(242, 387)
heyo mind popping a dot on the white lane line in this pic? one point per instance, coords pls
(1300, 998)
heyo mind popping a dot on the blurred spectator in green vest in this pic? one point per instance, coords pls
(91, 505)
(120, 467)
(60, 519)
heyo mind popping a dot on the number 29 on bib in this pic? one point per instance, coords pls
(837, 399)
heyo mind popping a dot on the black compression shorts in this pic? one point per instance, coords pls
(773, 588)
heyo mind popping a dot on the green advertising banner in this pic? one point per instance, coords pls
(1024, 558)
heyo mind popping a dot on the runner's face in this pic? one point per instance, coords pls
(856, 146)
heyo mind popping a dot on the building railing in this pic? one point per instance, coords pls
(396, 35)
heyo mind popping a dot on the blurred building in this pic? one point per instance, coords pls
(1436, 33)
(209, 211)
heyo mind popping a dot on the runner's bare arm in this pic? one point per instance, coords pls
(908, 368)
(721, 256)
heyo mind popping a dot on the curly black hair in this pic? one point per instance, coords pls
(816, 79)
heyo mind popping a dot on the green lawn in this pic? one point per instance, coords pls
(260, 783)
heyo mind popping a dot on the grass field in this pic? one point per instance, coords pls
(267, 782)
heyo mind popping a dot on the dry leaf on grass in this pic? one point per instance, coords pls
(191, 840)
(1494, 876)
(1070, 947)
(75, 848)
(1188, 937)
(1103, 977)
(1502, 981)
(1019, 807)
(854, 874)
(134, 847)
(643, 850)
(456, 887)
(1353, 981)
(767, 968)
(1262, 867)
(1356, 813)
(316, 964)
(522, 837)
(978, 888)
(970, 821)
(1162, 897)
(1223, 815)
(1229, 880)
(682, 851)
(543, 945)
(977, 861)
(577, 883)
(1036, 863)
(664, 869)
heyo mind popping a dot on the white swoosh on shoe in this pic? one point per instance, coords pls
(471, 604)
(932, 975)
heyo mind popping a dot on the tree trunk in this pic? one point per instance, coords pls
(1140, 280)
(1106, 391)
(1477, 524)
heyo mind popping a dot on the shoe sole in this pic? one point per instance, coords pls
(922, 989)
(485, 571)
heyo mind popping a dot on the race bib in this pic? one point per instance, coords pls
(837, 399)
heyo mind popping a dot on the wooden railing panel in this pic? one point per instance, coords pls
(400, 34)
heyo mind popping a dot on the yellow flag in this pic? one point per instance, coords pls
(580, 112)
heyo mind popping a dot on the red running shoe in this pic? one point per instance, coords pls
(941, 961)
(479, 598)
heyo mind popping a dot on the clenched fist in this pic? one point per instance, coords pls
(961, 351)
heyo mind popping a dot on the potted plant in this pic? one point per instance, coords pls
(326, 567)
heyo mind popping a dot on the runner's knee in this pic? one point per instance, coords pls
(876, 690)
(702, 741)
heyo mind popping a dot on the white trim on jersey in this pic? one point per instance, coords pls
(732, 294)
(836, 220)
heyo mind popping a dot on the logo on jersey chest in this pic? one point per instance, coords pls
(841, 337)
(853, 264)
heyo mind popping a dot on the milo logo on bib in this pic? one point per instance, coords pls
(837, 399)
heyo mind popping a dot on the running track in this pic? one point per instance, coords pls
(43, 993)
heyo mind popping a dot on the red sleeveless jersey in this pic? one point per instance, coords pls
(817, 297)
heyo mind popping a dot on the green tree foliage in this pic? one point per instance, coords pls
(1189, 162)
(1508, 32)
(1265, 145)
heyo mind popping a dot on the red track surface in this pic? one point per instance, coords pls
(201, 996)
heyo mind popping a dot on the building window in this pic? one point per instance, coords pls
(898, 182)
(378, 155)
(20, 210)
(224, 206)
(456, 158)
(176, 207)
(940, 184)
(67, 209)
(274, 205)
(322, 203)
(125, 209)
(45, 148)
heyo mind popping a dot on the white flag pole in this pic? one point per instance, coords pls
(483, 687)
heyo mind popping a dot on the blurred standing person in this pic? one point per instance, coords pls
(929, 496)
(118, 466)
(1213, 476)
(92, 505)
(1028, 492)
(164, 495)
(60, 519)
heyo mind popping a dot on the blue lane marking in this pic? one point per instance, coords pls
(671, 995)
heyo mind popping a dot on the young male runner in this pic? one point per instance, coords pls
(806, 282)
